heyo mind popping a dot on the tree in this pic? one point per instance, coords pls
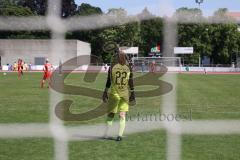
(118, 12)
(91, 36)
(219, 42)
(86, 9)
(216, 41)
(6, 3)
(8, 8)
(221, 15)
(68, 8)
(145, 14)
(221, 12)
(125, 35)
(39, 7)
(225, 37)
(196, 36)
(185, 14)
(151, 32)
(225, 43)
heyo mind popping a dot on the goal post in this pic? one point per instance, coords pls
(148, 64)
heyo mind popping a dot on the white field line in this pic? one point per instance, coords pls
(208, 127)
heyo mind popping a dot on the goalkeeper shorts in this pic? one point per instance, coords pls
(117, 103)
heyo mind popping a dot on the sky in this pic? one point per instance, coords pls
(163, 7)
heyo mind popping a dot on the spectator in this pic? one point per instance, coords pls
(143, 66)
(30, 66)
(15, 66)
(25, 65)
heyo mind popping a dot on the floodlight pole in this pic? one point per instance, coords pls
(237, 52)
(199, 4)
(237, 65)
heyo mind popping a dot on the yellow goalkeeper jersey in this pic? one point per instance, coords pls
(120, 75)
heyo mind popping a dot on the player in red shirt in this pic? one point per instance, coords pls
(153, 66)
(20, 68)
(47, 69)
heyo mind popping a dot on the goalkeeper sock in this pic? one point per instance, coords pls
(122, 124)
(109, 122)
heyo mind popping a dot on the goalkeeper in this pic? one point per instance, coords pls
(120, 83)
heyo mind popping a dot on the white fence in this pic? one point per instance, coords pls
(201, 69)
(69, 68)
(170, 69)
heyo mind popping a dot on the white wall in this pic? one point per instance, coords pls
(28, 49)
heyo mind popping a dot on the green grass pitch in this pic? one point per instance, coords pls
(207, 96)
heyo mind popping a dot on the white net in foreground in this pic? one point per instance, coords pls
(63, 134)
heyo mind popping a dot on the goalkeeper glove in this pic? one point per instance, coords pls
(132, 100)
